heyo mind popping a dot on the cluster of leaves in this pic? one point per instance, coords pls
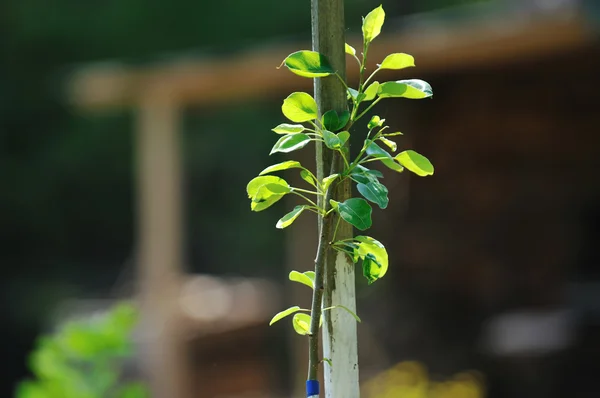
(82, 360)
(332, 129)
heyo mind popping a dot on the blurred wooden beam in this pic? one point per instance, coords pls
(437, 47)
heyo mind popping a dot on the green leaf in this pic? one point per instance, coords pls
(286, 128)
(296, 276)
(289, 218)
(332, 141)
(349, 49)
(375, 192)
(371, 91)
(330, 120)
(363, 169)
(389, 143)
(327, 181)
(284, 313)
(413, 89)
(263, 197)
(352, 93)
(393, 134)
(377, 152)
(308, 177)
(374, 257)
(301, 323)
(299, 107)
(309, 64)
(277, 188)
(375, 121)
(290, 164)
(397, 61)
(343, 119)
(372, 24)
(415, 162)
(355, 211)
(289, 143)
(311, 275)
(343, 136)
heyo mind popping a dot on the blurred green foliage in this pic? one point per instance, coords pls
(83, 359)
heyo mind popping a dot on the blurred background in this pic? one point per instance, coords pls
(128, 132)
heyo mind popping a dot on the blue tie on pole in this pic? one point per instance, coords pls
(312, 389)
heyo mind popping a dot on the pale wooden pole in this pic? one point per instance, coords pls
(339, 327)
(159, 230)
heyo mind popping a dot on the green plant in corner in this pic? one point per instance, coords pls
(332, 130)
(83, 359)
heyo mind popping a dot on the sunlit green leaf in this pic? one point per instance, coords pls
(375, 121)
(355, 211)
(372, 24)
(377, 152)
(397, 61)
(330, 120)
(296, 276)
(375, 192)
(308, 177)
(349, 49)
(284, 313)
(332, 141)
(289, 143)
(371, 91)
(289, 218)
(413, 89)
(290, 164)
(311, 275)
(374, 257)
(328, 180)
(299, 107)
(415, 162)
(393, 134)
(301, 323)
(389, 143)
(286, 128)
(309, 64)
(277, 188)
(263, 197)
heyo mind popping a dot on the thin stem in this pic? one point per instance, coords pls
(306, 191)
(316, 210)
(363, 66)
(344, 157)
(317, 299)
(372, 74)
(368, 109)
(336, 228)
(305, 198)
(317, 129)
(342, 80)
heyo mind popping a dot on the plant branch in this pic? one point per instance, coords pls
(317, 299)
(368, 109)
